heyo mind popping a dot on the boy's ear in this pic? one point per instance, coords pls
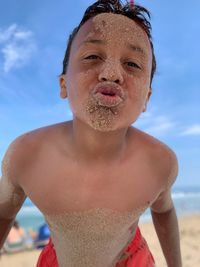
(147, 99)
(63, 87)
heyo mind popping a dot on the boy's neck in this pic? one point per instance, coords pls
(96, 145)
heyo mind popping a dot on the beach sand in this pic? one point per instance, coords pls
(190, 245)
(190, 241)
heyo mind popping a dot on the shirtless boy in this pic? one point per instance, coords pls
(94, 176)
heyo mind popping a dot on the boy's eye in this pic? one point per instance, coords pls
(92, 57)
(133, 64)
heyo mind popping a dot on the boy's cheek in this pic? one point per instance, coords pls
(138, 92)
(85, 82)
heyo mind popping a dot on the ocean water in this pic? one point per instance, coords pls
(186, 201)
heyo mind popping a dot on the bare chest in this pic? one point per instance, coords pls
(56, 187)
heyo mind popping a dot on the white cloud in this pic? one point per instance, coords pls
(192, 130)
(17, 46)
(23, 35)
(16, 55)
(6, 35)
(154, 124)
(160, 126)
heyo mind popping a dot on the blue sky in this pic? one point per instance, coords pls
(33, 37)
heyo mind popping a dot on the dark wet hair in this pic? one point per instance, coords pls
(137, 13)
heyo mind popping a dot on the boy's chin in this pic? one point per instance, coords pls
(105, 123)
(104, 126)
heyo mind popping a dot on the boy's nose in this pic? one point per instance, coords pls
(111, 72)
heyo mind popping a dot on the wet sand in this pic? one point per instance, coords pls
(190, 245)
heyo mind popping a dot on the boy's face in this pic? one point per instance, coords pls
(109, 71)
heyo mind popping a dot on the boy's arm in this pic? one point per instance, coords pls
(165, 221)
(11, 194)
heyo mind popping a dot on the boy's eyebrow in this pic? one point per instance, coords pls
(132, 47)
(136, 49)
(93, 41)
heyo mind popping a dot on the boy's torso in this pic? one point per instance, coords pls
(130, 184)
(92, 206)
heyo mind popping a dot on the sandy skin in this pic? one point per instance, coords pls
(189, 234)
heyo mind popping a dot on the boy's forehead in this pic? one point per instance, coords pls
(113, 27)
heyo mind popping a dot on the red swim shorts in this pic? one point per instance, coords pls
(137, 254)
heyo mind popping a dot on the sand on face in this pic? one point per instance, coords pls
(190, 246)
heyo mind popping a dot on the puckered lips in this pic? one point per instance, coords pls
(108, 95)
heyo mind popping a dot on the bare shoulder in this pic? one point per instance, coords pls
(24, 150)
(13, 157)
(16, 165)
(160, 155)
(165, 167)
